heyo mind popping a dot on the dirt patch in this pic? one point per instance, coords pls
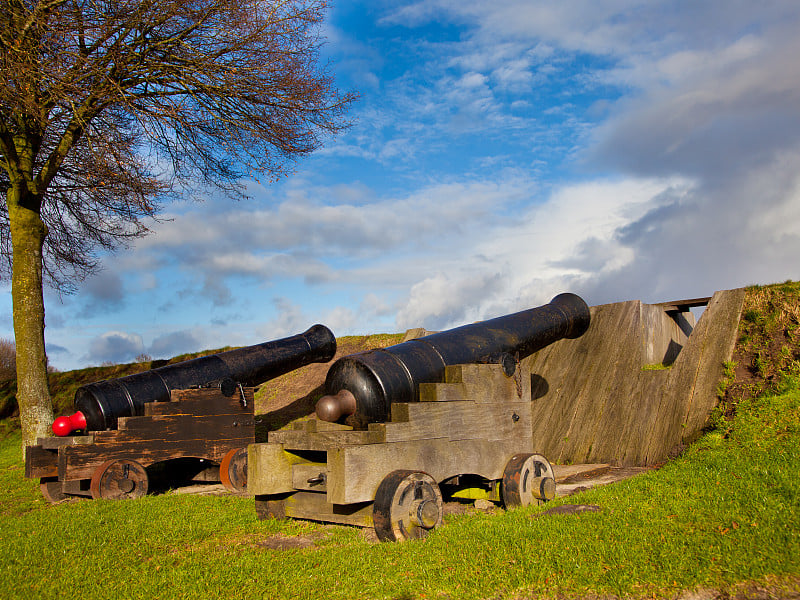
(569, 509)
(284, 542)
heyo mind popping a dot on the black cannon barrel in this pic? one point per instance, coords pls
(102, 403)
(361, 387)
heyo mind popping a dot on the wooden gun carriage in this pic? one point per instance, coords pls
(449, 413)
(196, 415)
(204, 431)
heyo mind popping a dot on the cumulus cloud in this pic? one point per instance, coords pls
(122, 346)
(115, 347)
(715, 237)
(172, 344)
(713, 128)
(290, 319)
(441, 301)
(56, 350)
(601, 27)
(103, 293)
(319, 242)
(728, 115)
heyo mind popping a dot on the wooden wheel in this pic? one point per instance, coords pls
(119, 479)
(233, 470)
(52, 490)
(408, 504)
(528, 479)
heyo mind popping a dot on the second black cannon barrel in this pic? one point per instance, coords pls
(361, 387)
(102, 403)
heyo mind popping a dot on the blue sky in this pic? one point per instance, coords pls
(500, 153)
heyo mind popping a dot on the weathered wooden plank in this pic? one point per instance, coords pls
(77, 487)
(201, 401)
(560, 386)
(300, 440)
(214, 406)
(174, 427)
(544, 408)
(310, 476)
(315, 507)
(663, 337)
(54, 443)
(612, 349)
(690, 395)
(647, 396)
(317, 426)
(627, 408)
(269, 468)
(355, 472)
(573, 473)
(477, 383)
(676, 392)
(600, 406)
(462, 420)
(682, 305)
(194, 394)
(40, 462)
(631, 412)
(721, 341)
(80, 462)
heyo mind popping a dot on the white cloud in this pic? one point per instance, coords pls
(443, 301)
(290, 320)
(174, 343)
(115, 347)
(524, 263)
(319, 242)
(104, 293)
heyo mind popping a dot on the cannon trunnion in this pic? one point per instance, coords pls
(404, 428)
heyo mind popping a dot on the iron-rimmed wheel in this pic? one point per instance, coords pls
(528, 479)
(119, 479)
(233, 470)
(408, 504)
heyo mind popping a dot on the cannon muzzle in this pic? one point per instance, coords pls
(100, 404)
(361, 387)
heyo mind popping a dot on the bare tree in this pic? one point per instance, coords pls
(111, 106)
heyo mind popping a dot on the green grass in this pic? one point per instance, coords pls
(727, 511)
(656, 367)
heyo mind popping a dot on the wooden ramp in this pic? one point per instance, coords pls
(595, 402)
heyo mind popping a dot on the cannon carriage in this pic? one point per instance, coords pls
(403, 427)
(192, 419)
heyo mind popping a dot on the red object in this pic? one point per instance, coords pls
(63, 426)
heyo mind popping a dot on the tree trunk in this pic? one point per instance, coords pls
(27, 237)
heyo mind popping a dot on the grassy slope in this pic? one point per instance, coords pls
(727, 511)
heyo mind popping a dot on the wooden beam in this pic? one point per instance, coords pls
(683, 305)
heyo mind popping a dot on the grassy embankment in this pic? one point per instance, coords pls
(727, 511)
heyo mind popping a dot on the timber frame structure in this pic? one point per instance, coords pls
(467, 437)
(200, 424)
